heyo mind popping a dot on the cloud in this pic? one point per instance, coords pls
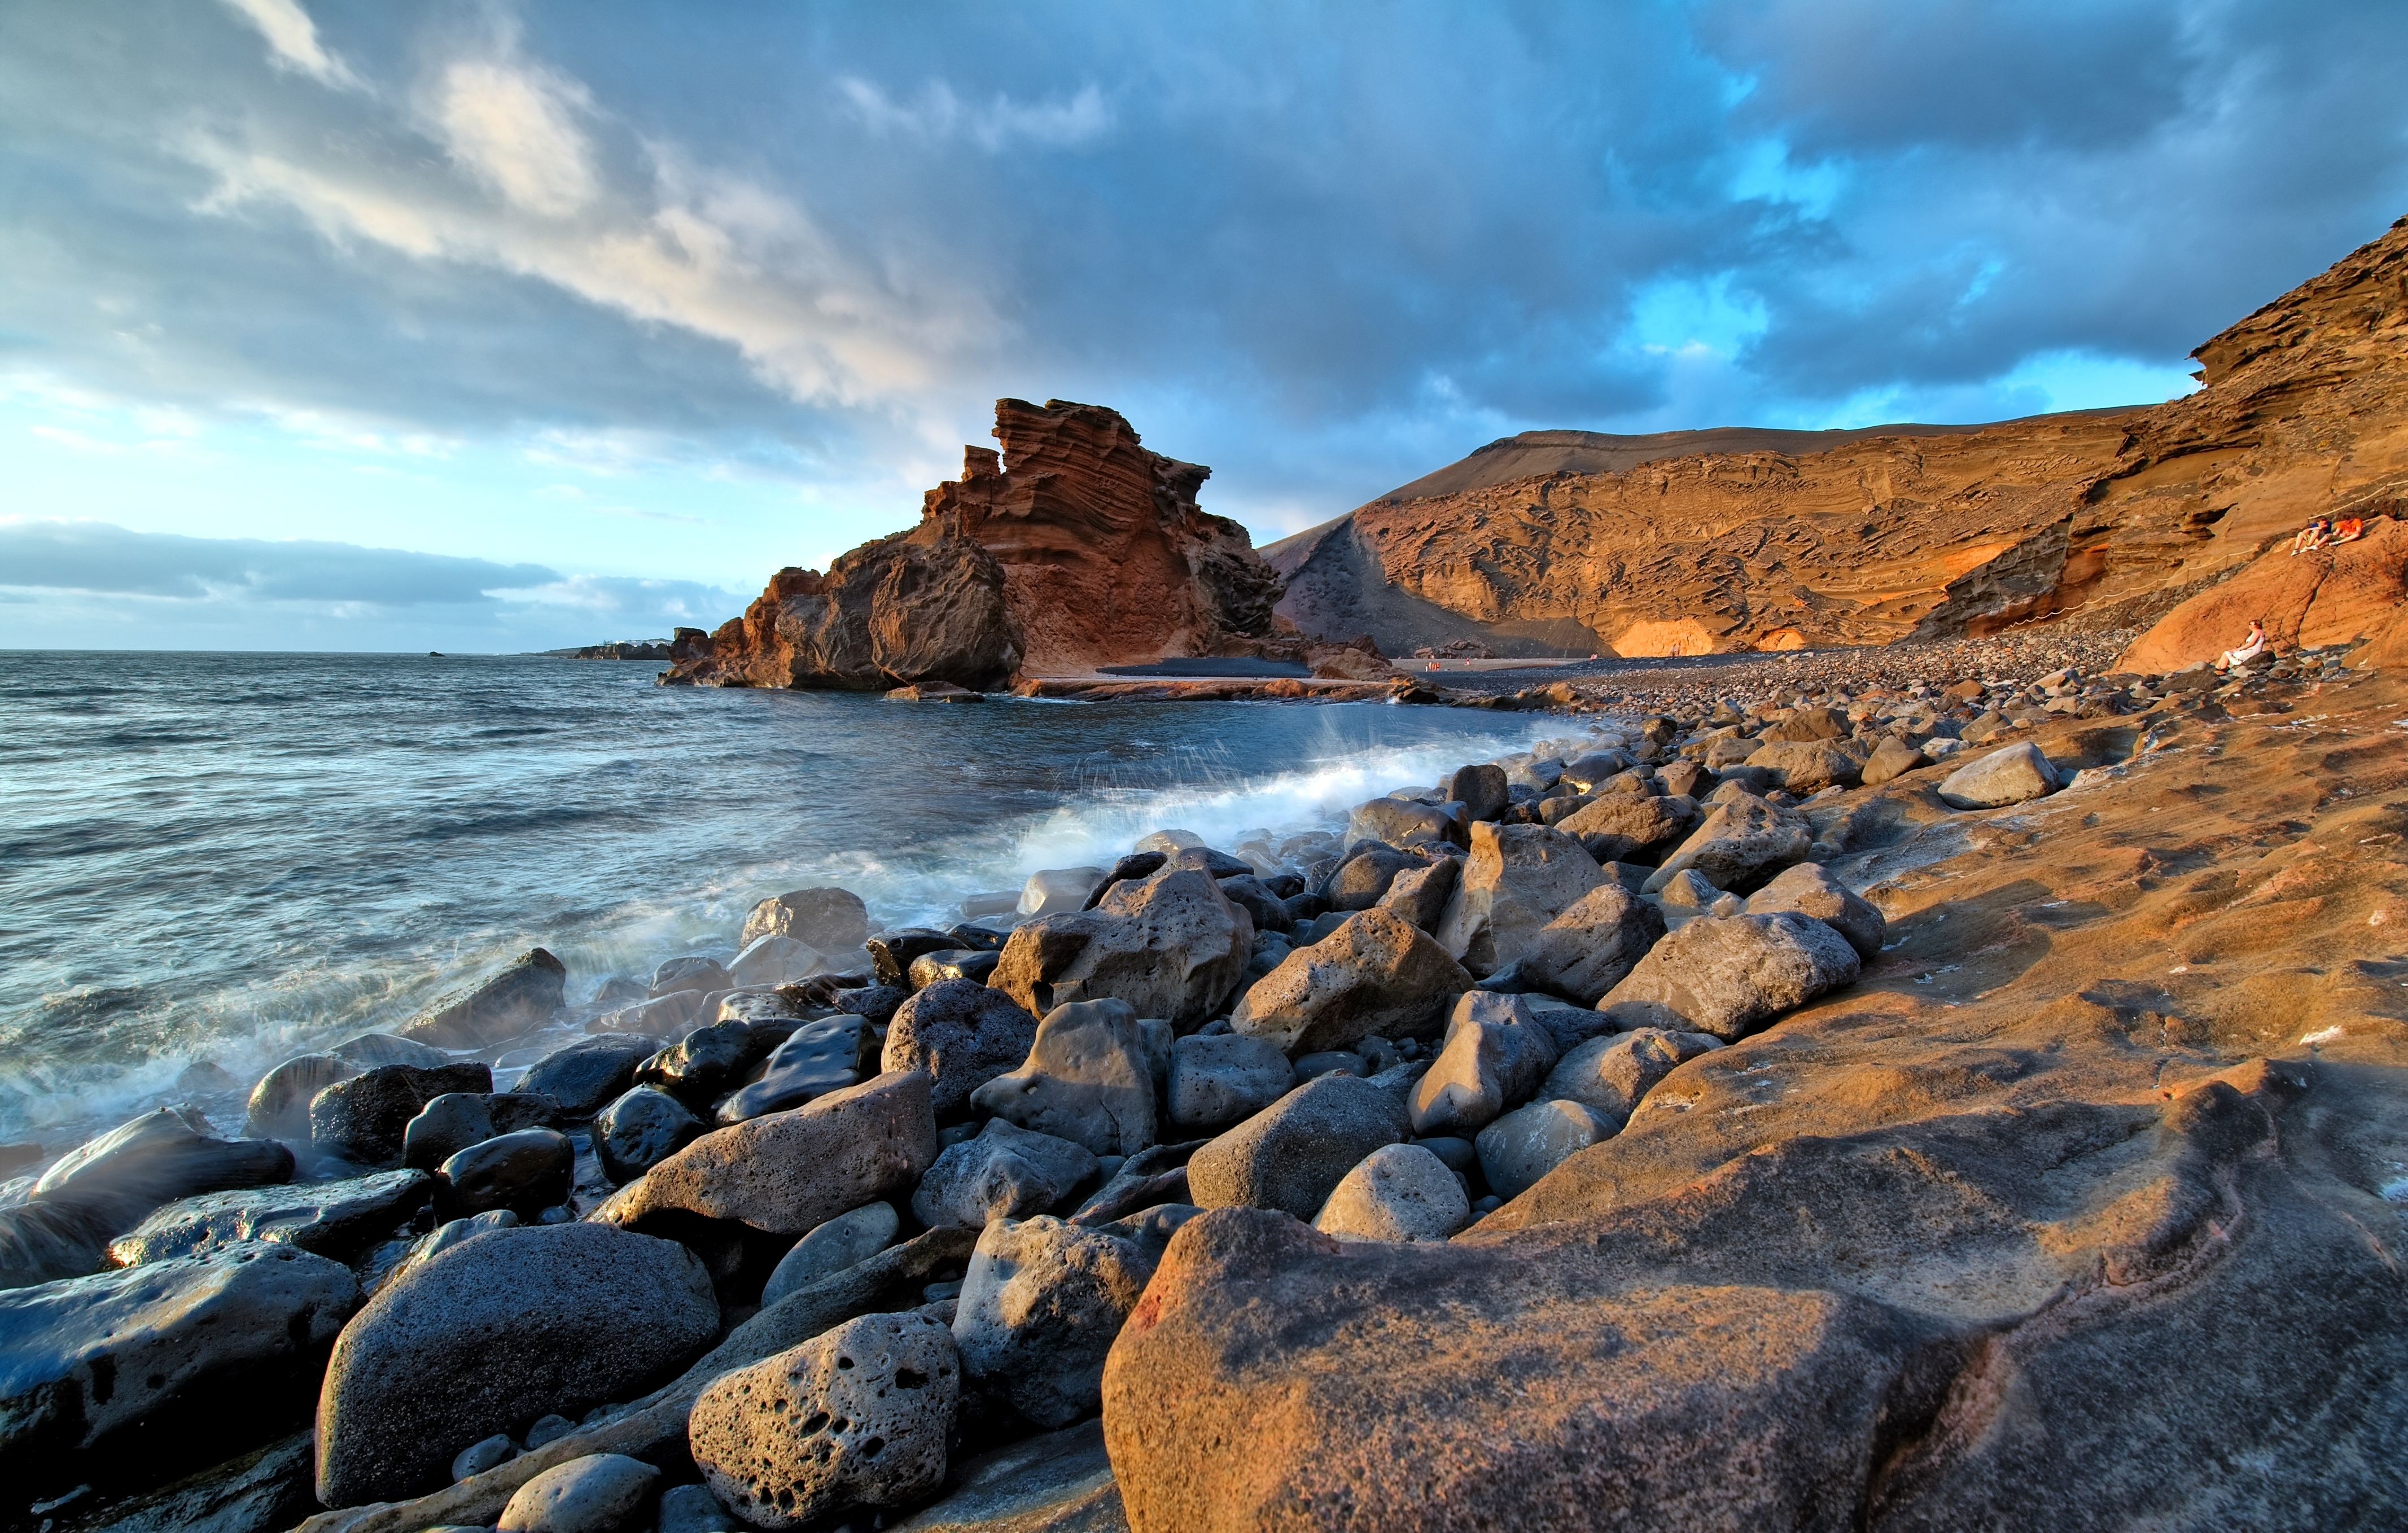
(293, 40)
(100, 559)
(514, 129)
(997, 124)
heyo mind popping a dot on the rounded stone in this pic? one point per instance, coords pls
(525, 1172)
(1401, 1192)
(600, 1492)
(640, 1130)
(843, 1240)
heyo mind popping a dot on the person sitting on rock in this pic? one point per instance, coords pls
(2251, 648)
(2313, 537)
(2349, 529)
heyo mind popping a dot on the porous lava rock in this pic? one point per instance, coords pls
(963, 1034)
(1376, 975)
(1170, 945)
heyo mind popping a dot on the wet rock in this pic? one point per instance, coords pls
(1893, 758)
(521, 998)
(363, 1119)
(1054, 890)
(586, 1075)
(819, 1057)
(1740, 846)
(192, 1345)
(1041, 1305)
(1055, 1482)
(525, 1172)
(1610, 1075)
(710, 1059)
(789, 1171)
(1481, 789)
(1292, 1153)
(1405, 824)
(1005, 1173)
(1586, 950)
(494, 1333)
(1220, 1081)
(856, 1416)
(688, 976)
(1587, 770)
(1420, 893)
(1494, 1057)
(456, 1120)
(1516, 880)
(1170, 945)
(826, 920)
(1730, 975)
(974, 964)
(1808, 889)
(1805, 767)
(774, 960)
(1137, 864)
(2011, 776)
(1087, 1078)
(840, 1243)
(483, 1454)
(1526, 1144)
(890, 953)
(280, 1103)
(1376, 973)
(112, 1183)
(642, 1129)
(442, 1237)
(874, 1004)
(963, 1034)
(1403, 1192)
(1629, 827)
(338, 1220)
(601, 1493)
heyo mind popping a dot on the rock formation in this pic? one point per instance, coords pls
(1073, 547)
(1719, 541)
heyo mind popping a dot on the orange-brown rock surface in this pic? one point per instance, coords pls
(1073, 547)
(2328, 595)
(1732, 541)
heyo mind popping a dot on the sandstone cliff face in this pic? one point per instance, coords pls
(1738, 540)
(1073, 547)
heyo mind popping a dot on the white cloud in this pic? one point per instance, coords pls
(513, 128)
(940, 114)
(293, 40)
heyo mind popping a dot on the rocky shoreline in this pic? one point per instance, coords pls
(1748, 1009)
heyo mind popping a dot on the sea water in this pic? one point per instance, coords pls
(222, 860)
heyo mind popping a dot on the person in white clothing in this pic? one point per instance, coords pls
(2251, 648)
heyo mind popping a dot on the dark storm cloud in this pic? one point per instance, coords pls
(99, 558)
(1327, 247)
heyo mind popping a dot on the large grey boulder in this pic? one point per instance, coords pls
(1586, 950)
(770, 961)
(174, 1344)
(1400, 1192)
(521, 998)
(2015, 775)
(819, 1057)
(963, 1034)
(1170, 945)
(1004, 1172)
(1494, 1057)
(1893, 758)
(364, 1118)
(1362, 880)
(458, 1119)
(491, 1335)
(279, 1108)
(1610, 1075)
(1040, 1304)
(857, 1416)
(600, 1492)
(525, 1172)
(1289, 1156)
(840, 1243)
(333, 1219)
(1481, 789)
(1527, 1143)
(1420, 893)
(1516, 880)
(789, 1171)
(827, 920)
(1224, 1079)
(1740, 846)
(109, 1185)
(1629, 827)
(1808, 889)
(366, 1050)
(1406, 824)
(585, 1076)
(1087, 1078)
(1805, 767)
(1728, 975)
(1377, 974)
(642, 1129)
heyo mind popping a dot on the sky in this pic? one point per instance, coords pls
(496, 326)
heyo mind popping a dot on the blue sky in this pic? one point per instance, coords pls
(491, 326)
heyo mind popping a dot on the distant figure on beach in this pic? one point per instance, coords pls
(2251, 648)
(2313, 537)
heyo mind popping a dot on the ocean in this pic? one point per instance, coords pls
(210, 863)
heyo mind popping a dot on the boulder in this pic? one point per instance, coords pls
(976, 965)
(818, 1058)
(1055, 1482)
(1628, 826)
(1590, 768)
(1224, 1078)
(1377, 973)
(1087, 1078)
(114, 1182)
(1526, 1144)
(1806, 766)
(642, 1129)
(179, 1345)
(338, 1220)
(691, 1509)
(1586, 950)
(710, 1059)
(774, 960)
(826, 920)
(600, 1492)
(1420, 893)
(1041, 1305)
(1609, 1075)
(492, 1334)
(789, 1171)
(962, 1034)
(2012, 775)
(280, 1103)
(1004, 1172)
(521, 998)
(1404, 823)
(1518, 879)
(369, 1050)
(688, 976)
(1494, 1057)
(1481, 789)
(1893, 758)
(1054, 890)
(525, 1172)
(1740, 846)
(1170, 945)
(458, 1119)
(842, 1242)
(1808, 889)
(1292, 1153)
(857, 1416)
(1728, 975)
(585, 1076)
(1400, 1192)
(892, 952)
(364, 1118)
(1362, 880)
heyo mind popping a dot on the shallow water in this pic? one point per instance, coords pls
(231, 858)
